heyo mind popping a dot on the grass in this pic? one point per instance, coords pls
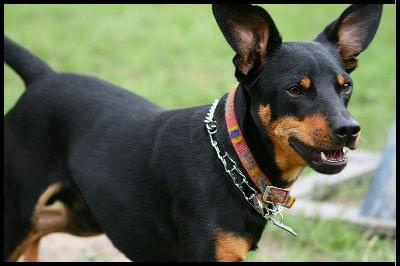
(332, 240)
(322, 241)
(175, 56)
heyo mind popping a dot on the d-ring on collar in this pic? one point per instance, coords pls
(270, 200)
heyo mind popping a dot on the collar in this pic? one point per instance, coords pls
(268, 193)
(271, 200)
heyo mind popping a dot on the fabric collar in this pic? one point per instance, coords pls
(269, 193)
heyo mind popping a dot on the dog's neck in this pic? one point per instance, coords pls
(259, 144)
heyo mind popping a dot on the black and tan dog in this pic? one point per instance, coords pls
(86, 157)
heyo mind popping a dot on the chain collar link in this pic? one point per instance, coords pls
(267, 211)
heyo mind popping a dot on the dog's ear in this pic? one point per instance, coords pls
(250, 31)
(352, 32)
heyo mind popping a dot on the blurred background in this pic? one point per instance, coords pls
(176, 56)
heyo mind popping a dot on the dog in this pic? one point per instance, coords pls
(86, 157)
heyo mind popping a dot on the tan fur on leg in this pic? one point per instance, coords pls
(231, 247)
(31, 253)
(45, 220)
(28, 249)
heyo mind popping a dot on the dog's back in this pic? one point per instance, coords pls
(56, 123)
(96, 148)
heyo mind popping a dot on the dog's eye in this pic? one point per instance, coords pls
(294, 91)
(347, 88)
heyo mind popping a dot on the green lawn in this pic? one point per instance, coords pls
(176, 56)
(322, 241)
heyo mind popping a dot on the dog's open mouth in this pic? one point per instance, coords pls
(321, 160)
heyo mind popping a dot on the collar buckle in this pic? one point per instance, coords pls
(278, 196)
(255, 199)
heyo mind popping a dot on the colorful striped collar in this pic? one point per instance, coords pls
(268, 193)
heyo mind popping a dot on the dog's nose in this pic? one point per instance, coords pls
(347, 131)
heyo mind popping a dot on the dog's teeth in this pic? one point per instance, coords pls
(345, 150)
(323, 156)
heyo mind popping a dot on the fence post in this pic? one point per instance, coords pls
(381, 198)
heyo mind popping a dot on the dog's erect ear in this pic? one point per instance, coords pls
(250, 31)
(352, 32)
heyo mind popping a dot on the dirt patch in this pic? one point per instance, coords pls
(60, 247)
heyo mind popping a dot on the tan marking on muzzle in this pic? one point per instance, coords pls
(312, 130)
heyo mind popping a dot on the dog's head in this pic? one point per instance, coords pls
(300, 91)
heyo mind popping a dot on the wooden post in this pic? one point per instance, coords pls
(381, 199)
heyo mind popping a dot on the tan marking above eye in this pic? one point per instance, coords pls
(230, 247)
(305, 82)
(340, 80)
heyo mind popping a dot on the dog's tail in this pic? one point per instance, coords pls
(28, 66)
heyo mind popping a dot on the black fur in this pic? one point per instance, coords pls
(147, 177)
